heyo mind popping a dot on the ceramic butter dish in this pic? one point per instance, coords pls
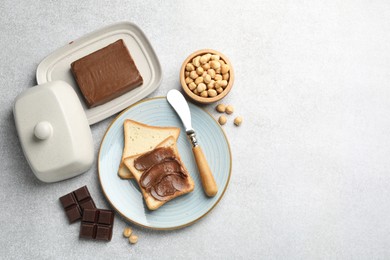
(53, 131)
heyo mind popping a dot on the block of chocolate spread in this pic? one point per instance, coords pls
(106, 74)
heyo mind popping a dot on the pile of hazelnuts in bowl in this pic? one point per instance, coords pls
(206, 76)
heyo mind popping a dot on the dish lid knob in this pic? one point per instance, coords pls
(43, 130)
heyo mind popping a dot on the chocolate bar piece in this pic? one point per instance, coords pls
(97, 224)
(106, 74)
(76, 202)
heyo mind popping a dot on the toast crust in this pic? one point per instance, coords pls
(157, 135)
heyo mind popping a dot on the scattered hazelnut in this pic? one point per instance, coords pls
(220, 108)
(229, 109)
(222, 120)
(127, 232)
(238, 121)
(133, 239)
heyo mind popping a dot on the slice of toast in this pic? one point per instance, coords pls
(151, 201)
(140, 138)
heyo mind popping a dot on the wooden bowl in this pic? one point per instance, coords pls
(192, 95)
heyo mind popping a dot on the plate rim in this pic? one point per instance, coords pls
(151, 227)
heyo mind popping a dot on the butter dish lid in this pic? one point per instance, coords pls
(53, 131)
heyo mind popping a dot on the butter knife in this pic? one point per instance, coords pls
(180, 105)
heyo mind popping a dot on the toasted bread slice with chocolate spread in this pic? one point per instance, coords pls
(163, 179)
(140, 138)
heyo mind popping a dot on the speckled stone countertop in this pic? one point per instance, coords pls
(310, 177)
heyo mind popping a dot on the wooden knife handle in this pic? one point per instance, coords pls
(206, 176)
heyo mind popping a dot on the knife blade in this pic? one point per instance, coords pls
(180, 105)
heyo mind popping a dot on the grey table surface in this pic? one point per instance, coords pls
(310, 177)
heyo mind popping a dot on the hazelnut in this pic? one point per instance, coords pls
(225, 76)
(223, 83)
(204, 59)
(238, 121)
(189, 67)
(229, 109)
(204, 94)
(192, 86)
(206, 66)
(133, 239)
(198, 80)
(188, 80)
(219, 90)
(222, 120)
(215, 64)
(225, 68)
(220, 108)
(211, 84)
(199, 71)
(207, 79)
(218, 84)
(127, 232)
(217, 77)
(201, 87)
(196, 61)
(212, 92)
(193, 74)
(214, 57)
(211, 72)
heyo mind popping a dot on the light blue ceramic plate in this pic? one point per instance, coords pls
(125, 196)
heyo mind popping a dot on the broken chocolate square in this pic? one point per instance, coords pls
(75, 202)
(97, 224)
